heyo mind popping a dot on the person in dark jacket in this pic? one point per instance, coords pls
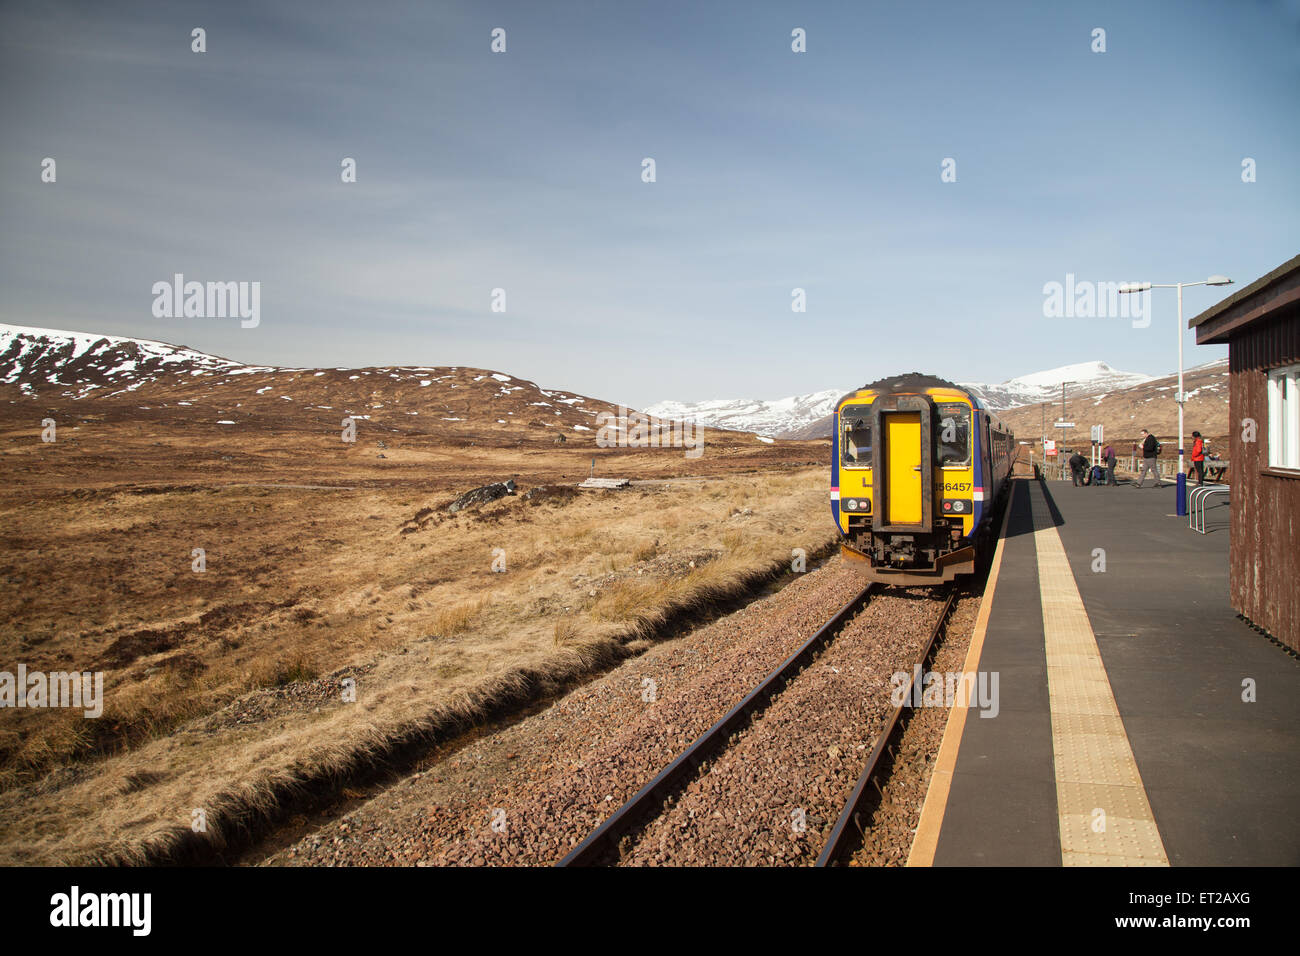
(1150, 448)
(1077, 464)
(1108, 459)
(1198, 458)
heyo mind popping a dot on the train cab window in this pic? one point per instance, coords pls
(952, 435)
(855, 421)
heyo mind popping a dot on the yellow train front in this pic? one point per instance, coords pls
(918, 469)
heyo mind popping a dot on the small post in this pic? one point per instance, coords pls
(593, 468)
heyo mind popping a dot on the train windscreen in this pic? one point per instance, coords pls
(952, 437)
(855, 424)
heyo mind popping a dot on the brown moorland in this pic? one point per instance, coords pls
(331, 566)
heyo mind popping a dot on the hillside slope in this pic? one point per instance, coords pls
(1120, 406)
(807, 416)
(118, 377)
(1124, 412)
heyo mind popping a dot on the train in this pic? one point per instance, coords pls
(889, 436)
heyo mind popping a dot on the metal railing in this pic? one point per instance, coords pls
(1166, 468)
(1060, 471)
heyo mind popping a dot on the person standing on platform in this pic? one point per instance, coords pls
(1150, 448)
(1077, 464)
(1198, 457)
(1108, 459)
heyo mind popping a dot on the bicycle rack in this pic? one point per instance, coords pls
(1196, 499)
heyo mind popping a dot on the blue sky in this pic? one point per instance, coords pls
(522, 171)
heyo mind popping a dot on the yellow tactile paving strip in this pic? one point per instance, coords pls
(1105, 818)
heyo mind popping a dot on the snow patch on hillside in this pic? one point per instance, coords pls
(784, 416)
(770, 418)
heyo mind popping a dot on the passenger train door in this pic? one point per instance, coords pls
(903, 498)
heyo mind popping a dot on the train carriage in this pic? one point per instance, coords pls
(889, 436)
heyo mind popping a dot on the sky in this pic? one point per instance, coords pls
(522, 171)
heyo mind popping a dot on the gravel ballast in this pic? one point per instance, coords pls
(775, 793)
(528, 794)
(551, 778)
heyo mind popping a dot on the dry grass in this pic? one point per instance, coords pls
(457, 619)
(279, 673)
(645, 551)
(307, 587)
(566, 631)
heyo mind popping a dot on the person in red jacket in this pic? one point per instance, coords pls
(1198, 457)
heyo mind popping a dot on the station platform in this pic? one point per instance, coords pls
(1121, 737)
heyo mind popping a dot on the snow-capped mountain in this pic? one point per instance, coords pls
(793, 417)
(53, 367)
(769, 418)
(41, 360)
(48, 365)
(1123, 412)
(1085, 378)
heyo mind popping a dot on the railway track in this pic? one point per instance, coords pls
(603, 845)
(846, 835)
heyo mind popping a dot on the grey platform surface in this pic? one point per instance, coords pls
(1221, 774)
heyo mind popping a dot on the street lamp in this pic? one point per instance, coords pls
(1059, 423)
(1179, 397)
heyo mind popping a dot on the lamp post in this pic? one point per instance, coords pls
(1061, 453)
(1179, 397)
(1043, 407)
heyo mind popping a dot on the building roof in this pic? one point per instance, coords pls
(1261, 298)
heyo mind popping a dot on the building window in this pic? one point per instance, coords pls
(1284, 417)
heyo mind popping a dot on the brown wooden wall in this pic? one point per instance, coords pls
(1264, 575)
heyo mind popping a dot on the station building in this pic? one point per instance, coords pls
(1260, 324)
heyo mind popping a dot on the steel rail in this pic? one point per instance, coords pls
(604, 839)
(849, 825)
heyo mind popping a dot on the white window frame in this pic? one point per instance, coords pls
(1284, 418)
